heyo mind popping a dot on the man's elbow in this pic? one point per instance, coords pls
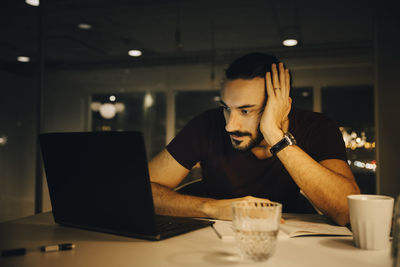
(342, 219)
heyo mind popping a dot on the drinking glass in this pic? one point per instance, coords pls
(256, 225)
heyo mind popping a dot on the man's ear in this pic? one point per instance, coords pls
(290, 100)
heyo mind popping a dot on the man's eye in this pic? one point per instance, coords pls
(245, 111)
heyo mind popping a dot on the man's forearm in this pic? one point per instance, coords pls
(169, 202)
(325, 188)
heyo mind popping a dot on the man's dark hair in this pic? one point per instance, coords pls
(250, 66)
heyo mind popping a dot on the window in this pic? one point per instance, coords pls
(137, 111)
(303, 98)
(189, 104)
(353, 109)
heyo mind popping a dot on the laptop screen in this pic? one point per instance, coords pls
(99, 180)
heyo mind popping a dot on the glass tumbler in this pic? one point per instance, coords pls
(256, 225)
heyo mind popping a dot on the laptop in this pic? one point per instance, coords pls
(99, 181)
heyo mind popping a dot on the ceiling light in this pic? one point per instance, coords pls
(84, 26)
(32, 2)
(290, 36)
(290, 42)
(135, 53)
(23, 59)
(112, 98)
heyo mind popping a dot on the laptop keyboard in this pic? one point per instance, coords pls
(168, 224)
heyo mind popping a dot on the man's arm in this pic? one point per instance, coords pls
(165, 174)
(326, 183)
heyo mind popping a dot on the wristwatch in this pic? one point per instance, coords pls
(287, 140)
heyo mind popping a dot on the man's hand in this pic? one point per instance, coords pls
(222, 209)
(274, 120)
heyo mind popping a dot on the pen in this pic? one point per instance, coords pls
(23, 251)
(13, 252)
(52, 248)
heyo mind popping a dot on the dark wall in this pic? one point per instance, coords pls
(17, 156)
(387, 91)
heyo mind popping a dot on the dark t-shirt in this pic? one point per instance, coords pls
(229, 173)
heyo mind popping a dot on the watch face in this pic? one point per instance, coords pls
(290, 138)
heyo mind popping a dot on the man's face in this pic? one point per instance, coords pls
(243, 102)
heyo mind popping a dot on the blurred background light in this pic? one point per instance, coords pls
(135, 53)
(33, 2)
(3, 140)
(290, 42)
(23, 59)
(84, 26)
(108, 111)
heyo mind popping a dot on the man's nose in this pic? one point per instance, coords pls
(233, 123)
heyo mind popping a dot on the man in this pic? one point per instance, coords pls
(233, 145)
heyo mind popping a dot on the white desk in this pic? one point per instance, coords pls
(198, 248)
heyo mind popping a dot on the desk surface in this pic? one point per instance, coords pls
(198, 248)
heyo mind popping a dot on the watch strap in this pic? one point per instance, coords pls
(287, 140)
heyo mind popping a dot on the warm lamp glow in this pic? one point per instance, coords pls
(290, 42)
(33, 2)
(135, 53)
(23, 59)
(108, 111)
(84, 26)
(148, 101)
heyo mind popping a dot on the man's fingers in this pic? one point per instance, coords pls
(278, 83)
(282, 78)
(270, 88)
(287, 77)
(275, 79)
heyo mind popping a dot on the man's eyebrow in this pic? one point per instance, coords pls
(240, 107)
(246, 106)
(223, 103)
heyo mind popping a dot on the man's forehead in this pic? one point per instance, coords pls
(244, 90)
(255, 83)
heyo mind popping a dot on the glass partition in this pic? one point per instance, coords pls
(188, 104)
(352, 108)
(303, 98)
(138, 111)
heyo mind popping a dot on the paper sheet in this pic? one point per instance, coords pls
(295, 225)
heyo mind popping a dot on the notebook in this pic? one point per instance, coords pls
(99, 181)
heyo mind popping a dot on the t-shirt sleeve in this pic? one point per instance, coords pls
(188, 145)
(327, 141)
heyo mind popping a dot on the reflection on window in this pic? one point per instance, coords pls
(137, 111)
(353, 109)
(303, 98)
(192, 103)
(187, 105)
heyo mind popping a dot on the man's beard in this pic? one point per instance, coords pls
(252, 143)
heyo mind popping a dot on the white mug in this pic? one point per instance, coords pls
(370, 219)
